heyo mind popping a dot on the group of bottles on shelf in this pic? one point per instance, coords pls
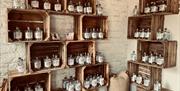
(31, 87)
(71, 84)
(156, 6)
(143, 33)
(93, 81)
(28, 34)
(145, 81)
(93, 33)
(163, 34)
(47, 62)
(151, 58)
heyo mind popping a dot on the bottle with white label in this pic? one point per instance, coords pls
(142, 34)
(47, 5)
(87, 34)
(77, 86)
(94, 81)
(85, 8)
(17, 34)
(147, 9)
(154, 8)
(94, 34)
(57, 6)
(146, 81)
(37, 63)
(133, 56)
(55, 61)
(159, 35)
(28, 34)
(139, 79)
(137, 34)
(99, 57)
(88, 58)
(20, 65)
(71, 60)
(133, 78)
(79, 7)
(15, 4)
(89, 8)
(167, 34)
(100, 34)
(81, 59)
(47, 62)
(157, 86)
(144, 57)
(99, 9)
(38, 34)
(101, 80)
(71, 86)
(28, 88)
(151, 58)
(71, 6)
(38, 87)
(160, 60)
(77, 58)
(162, 6)
(147, 34)
(35, 4)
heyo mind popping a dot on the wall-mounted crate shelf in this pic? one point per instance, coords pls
(172, 7)
(41, 51)
(168, 49)
(20, 82)
(153, 73)
(153, 23)
(27, 18)
(83, 72)
(75, 47)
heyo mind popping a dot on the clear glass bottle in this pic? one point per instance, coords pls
(147, 9)
(94, 81)
(88, 58)
(64, 82)
(71, 6)
(29, 34)
(101, 80)
(38, 34)
(77, 86)
(71, 86)
(142, 34)
(77, 58)
(22, 4)
(16, 4)
(87, 83)
(47, 62)
(87, 34)
(154, 8)
(167, 34)
(100, 34)
(20, 65)
(133, 56)
(151, 58)
(146, 81)
(160, 60)
(47, 5)
(28, 88)
(55, 61)
(35, 4)
(71, 60)
(94, 34)
(38, 87)
(137, 34)
(133, 86)
(162, 6)
(17, 34)
(147, 34)
(135, 10)
(89, 8)
(57, 6)
(133, 78)
(81, 59)
(99, 9)
(99, 57)
(144, 57)
(159, 35)
(139, 79)
(37, 63)
(157, 86)
(85, 8)
(79, 7)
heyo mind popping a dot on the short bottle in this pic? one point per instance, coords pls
(28, 34)
(94, 81)
(142, 34)
(139, 79)
(99, 57)
(159, 35)
(28, 88)
(64, 82)
(151, 58)
(101, 80)
(135, 10)
(133, 78)
(87, 34)
(71, 6)
(81, 59)
(154, 8)
(38, 34)
(79, 7)
(35, 4)
(162, 6)
(133, 56)
(167, 34)
(20, 65)
(47, 5)
(157, 86)
(55, 61)
(94, 34)
(100, 34)
(160, 60)
(16, 4)
(17, 34)
(77, 86)
(147, 34)
(37, 63)
(89, 8)
(71, 60)
(99, 9)
(146, 81)
(47, 62)
(88, 58)
(147, 9)
(137, 34)
(87, 83)
(38, 87)
(57, 6)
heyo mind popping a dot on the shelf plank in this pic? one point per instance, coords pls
(146, 64)
(25, 21)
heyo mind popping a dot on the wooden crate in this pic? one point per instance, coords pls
(172, 6)
(22, 80)
(154, 73)
(41, 4)
(168, 49)
(82, 73)
(74, 47)
(43, 49)
(28, 18)
(152, 22)
(93, 22)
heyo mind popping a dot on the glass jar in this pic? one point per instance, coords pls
(100, 34)
(133, 56)
(70, 6)
(87, 34)
(57, 6)
(47, 5)
(89, 8)
(38, 87)
(17, 34)
(99, 9)
(47, 62)
(35, 4)
(94, 34)
(38, 34)
(37, 63)
(71, 60)
(79, 7)
(20, 65)
(55, 61)
(144, 57)
(29, 34)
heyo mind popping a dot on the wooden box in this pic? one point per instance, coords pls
(75, 47)
(143, 22)
(53, 2)
(21, 81)
(83, 72)
(153, 73)
(168, 49)
(28, 18)
(43, 49)
(172, 6)
(93, 22)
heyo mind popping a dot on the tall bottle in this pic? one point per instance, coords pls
(17, 34)
(47, 5)
(57, 6)
(28, 34)
(89, 8)
(135, 10)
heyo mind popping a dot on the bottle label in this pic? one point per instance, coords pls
(57, 7)
(55, 62)
(35, 4)
(47, 6)
(71, 8)
(28, 35)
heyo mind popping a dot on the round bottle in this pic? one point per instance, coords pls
(37, 63)
(20, 65)
(47, 62)
(94, 34)
(17, 34)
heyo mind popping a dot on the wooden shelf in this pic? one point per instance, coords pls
(146, 64)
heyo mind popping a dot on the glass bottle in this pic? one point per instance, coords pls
(17, 34)
(47, 5)
(57, 6)
(135, 10)
(99, 57)
(22, 4)
(85, 8)
(87, 83)
(101, 80)
(28, 88)
(162, 6)
(157, 86)
(133, 56)
(37, 63)
(28, 34)
(71, 86)
(139, 79)
(142, 34)
(151, 58)
(38, 34)
(81, 59)
(94, 34)
(146, 81)
(77, 58)
(71, 61)
(38, 87)
(55, 61)
(167, 34)
(133, 86)
(20, 65)
(100, 34)
(77, 86)
(70, 6)
(145, 57)
(160, 60)
(159, 35)
(99, 9)
(88, 58)
(16, 4)
(154, 8)
(136, 34)
(79, 7)
(147, 34)
(94, 81)
(35, 4)
(65, 81)
(133, 78)
(147, 9)
(89, 8)
(47, 62)
(87, 34)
